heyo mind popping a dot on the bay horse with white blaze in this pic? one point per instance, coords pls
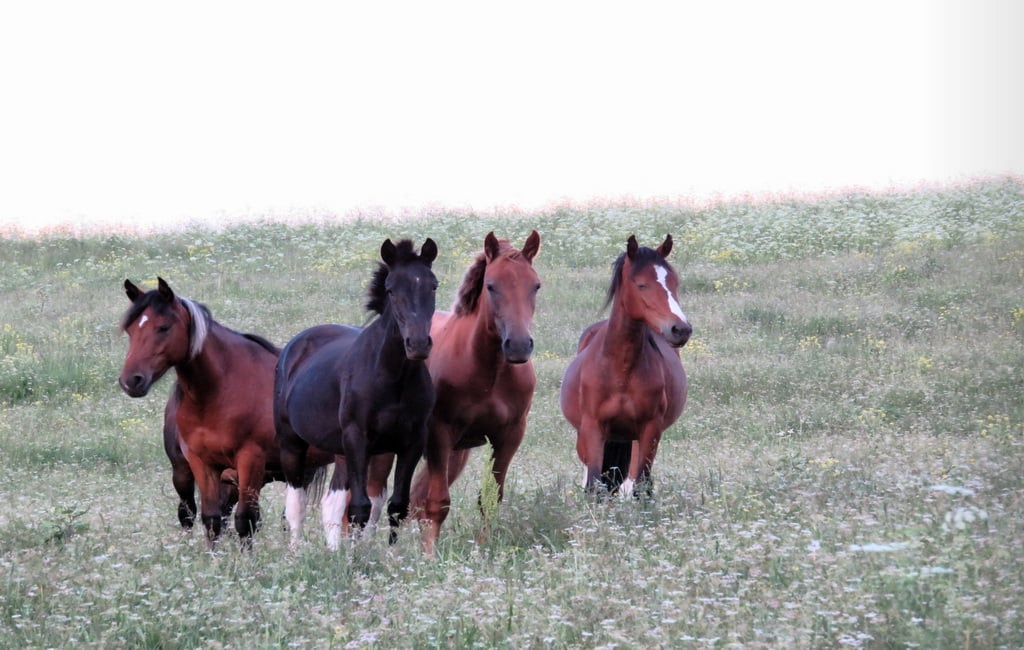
(482, 374)
(360, 392)
(219, 417)
(627, 385)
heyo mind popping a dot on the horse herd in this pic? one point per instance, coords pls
(413, 383)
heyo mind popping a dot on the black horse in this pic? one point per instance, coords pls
(359, 392)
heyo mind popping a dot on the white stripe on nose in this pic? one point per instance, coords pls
(672, 303)
(142, 321)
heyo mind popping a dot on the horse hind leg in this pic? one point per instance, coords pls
(615, 466)
(185, 485)
(333, 506)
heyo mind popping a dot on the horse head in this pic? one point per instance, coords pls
(648, 286)
(409, 290)
(163, 331)
(509, 293)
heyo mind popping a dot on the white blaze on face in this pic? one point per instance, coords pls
(672, 303)
(142, 321)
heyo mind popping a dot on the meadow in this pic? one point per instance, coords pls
(849, 471)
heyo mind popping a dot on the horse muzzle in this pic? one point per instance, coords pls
(517, 350)
(136, 385)
(677, 334)
(418, 348)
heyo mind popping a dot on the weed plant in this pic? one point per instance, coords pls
(849, 471)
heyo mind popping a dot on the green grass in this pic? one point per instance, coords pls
(848, 472)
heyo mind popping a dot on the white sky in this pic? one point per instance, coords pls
(144, 114)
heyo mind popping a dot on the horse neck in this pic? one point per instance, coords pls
(388, 349)
(202, 376)
(626, 337)
(484, 337)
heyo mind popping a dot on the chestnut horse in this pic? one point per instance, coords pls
(219, 417)
(626, 385)
(482, 373)
(359, 392)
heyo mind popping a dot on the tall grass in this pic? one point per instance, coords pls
(848, 472)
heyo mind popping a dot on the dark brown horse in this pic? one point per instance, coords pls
(482, 374)
(360, 392)
(626, 384)
(219, 416)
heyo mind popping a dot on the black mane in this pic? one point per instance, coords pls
(377, 293)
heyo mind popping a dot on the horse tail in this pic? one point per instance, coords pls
(615, 466)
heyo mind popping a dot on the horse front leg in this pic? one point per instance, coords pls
(438, 498)
(208, 480)
(356, 459)
(398, 505)
(185, 485)
(377, 484)
(590, 450)
(251, 466)
(639, 481)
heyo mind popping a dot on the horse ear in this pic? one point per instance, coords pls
(666, 246)
(491, 246)
(388, 252)
(531, 247)
(428, 252)
(164, 289)
(132, 291)
(632, 247)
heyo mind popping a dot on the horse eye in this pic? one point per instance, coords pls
(537, 288)
(163, 329)
(491, 288)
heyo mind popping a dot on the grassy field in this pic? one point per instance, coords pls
(849, 471)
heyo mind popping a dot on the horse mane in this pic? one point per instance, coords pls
(473, 282)
(644, 256)
(200, 321)
(377, 293)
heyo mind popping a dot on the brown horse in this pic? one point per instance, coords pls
(221, 407)
(482, 374)
(626, 384)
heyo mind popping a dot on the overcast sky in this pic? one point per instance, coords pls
(150, 114)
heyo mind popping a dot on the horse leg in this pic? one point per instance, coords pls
(208, 479)
(251, 465)
(333, 505)
(228, 491)
(293, 464)
(356, 459)
(590, 449)
(377, 484)
(185, 485)
(398, 505)
(644, 451)
(438, 498)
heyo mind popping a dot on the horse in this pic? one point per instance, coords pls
(626, 385)
(359, 392)
(219, 417)
(482, 374)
